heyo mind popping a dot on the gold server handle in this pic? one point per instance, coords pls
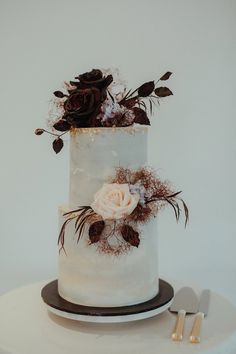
(196, 329)
(177, 334)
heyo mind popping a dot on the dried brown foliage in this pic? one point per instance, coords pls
(158, 193)
(95, 231)
(112, 236)
(83, 101)
(81, 216)
(142, 214)
(123, 175)
(130, 235)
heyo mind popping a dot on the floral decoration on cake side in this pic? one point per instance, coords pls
(119, 209)
(99, 98)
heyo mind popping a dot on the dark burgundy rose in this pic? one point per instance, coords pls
(84, 102)
(83, 99)
(93, 75)
(95, 78)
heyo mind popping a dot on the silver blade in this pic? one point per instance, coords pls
(204, 302)
(185, 299)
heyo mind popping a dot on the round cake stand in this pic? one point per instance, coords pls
(27, 328)
(59, 306)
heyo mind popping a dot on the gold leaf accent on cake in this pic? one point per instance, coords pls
(95, 131)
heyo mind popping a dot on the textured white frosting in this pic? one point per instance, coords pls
(94, 154)
(92, 278)
(89, 277)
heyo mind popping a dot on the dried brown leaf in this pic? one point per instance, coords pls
(39, 131)
(141, 116)
(95, 231)
(59, 94)
(62, 125)
(130, 235)
(146, 89)
(57, 145)
(163, 91)
(166, 76)
(186, 212)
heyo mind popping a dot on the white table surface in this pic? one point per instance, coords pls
(26, 327)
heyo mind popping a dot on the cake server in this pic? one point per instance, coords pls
(203, 308)
(185, 302)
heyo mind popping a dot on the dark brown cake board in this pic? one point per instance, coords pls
(59, 306)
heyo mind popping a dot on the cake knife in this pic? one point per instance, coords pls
(202, 312)
(185, 302)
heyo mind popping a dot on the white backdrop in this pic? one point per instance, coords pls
(192, 139)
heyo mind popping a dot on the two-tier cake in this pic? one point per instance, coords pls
(108, 251)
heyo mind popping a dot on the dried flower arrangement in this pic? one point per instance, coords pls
(121, 207)
(90, 102)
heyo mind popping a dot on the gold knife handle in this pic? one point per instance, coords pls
(196, 329)
(177, 334)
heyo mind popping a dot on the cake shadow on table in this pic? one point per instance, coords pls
(161, 322)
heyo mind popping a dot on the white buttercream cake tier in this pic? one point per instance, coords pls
(96, 152)
(88, 276)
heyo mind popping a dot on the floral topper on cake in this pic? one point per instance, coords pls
(113, 222)
(91, 100)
